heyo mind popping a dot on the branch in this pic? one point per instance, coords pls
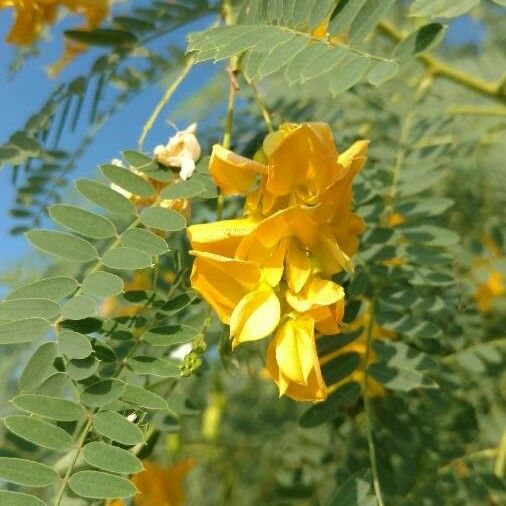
(437, 68)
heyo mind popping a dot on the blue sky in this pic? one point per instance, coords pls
(24, 94)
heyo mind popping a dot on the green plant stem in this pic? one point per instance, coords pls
(229, 121)
(368, 413)
(80, 444)
(437, 68)
(477, 110)
(500, 461)
(163, 102)
(487, 454)
(261, 104)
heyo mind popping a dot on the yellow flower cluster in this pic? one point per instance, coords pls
(31, 16)
(270, 271)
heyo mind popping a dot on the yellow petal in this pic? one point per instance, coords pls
(313, 387)
(234, 174)
(255, 316)
(298, 267)
(221, 237)
(331, 257)
(317, 292)
(223, 282)
(295, 350)
(305, 157)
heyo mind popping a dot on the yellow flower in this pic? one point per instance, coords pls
(31, 16)
(292, 361)
(269, 271)
(395, 219)
(159, 486)
(301, 161)
(492, 288)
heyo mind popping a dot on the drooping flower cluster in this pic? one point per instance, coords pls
(270, 271)
(31, 16)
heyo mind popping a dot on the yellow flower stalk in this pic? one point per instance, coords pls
(268, 272)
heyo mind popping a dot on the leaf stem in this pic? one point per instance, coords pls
(229, 121)
(80, 444)
(261, 104)
(438, 68)
(163, 102)
(368, 412)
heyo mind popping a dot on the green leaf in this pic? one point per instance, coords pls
(79, 369)
(54, 385)
(144, 240)
(128, 180)
(353, 491)
(103, 37)
(105, 197)
(8, 498)
(418, 41)
(103, 392)
(350, 73)
(163, 219)
(126, 259)
(178, 303)
(81, 221)
(382, 71)
(140, 161)
(79, 307)
(23, 331)
(170, 335)
(111, 458)
(441, 8)
(63, 245)
(74, 345)
(54, 289)
(368, 17)
(39, 432)
(330, 408)
(400, 379)
(345, 12)
(419, 208)
(183, 190)
(19, 309)
(102, 284)
(143, 398)
(116, 427)
(98, 485)
(401, 367)
(154, 366)
(340, 367)
(431, 235)
(27, 473)
(49, 407)
(39, 367)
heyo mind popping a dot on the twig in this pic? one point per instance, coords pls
(368, 411)
(437, 68)
(163, 102)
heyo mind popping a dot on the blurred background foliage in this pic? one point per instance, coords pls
(428, 289)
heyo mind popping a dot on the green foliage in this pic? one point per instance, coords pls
(415, 412)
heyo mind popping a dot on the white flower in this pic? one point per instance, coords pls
(180, 352)
(182, 150)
